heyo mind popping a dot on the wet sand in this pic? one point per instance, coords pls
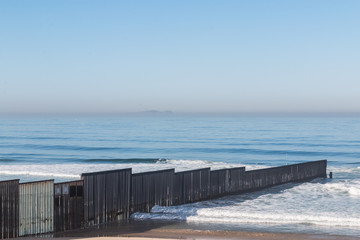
(144, 230)
(197, 234)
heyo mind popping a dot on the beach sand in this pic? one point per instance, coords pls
(197, 234)
(145, 230)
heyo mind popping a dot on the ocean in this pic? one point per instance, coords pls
(61, 148)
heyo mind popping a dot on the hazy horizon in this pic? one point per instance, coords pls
(154, 113)
(116, 57)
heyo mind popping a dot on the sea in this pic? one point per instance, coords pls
(62, 147)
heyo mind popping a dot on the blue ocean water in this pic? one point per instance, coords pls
(61, 148)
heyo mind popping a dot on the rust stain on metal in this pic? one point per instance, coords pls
(68, 205)
(9, 209)
(36, 207)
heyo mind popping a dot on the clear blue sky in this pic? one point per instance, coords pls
(184, 56)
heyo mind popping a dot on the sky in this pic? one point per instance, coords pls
(183, 56)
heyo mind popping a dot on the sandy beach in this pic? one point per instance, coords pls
(144, 230)
(194, 234)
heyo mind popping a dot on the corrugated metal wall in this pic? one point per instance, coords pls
(36, 207)
(9, 209)
(191, 186)
(226, 181)
(219, 180)
(33, 208)
(262, 178)
(151, 188)
(236, 179)
(68, 205)
(308, 170)
(106, 196)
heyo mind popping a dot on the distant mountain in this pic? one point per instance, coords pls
(155, 112)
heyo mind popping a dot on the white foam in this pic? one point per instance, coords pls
(182, 164)
(344, 169)
(351, 187)
(207, 215)
(235, 215)
(40, 174)
(329, 203)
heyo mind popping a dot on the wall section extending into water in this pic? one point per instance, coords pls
(107, 196)
(151, 188)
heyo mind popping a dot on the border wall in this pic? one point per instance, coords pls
(9, 209)
(226, 181)
(191, 186)
(36, 210)
(262, 178)
(68, 205)
(152, 188)
(107, 196)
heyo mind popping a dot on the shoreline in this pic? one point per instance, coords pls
(167, 234)
(137, 230)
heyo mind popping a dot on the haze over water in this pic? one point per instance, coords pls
(62, 148)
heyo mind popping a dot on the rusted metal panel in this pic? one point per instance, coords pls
(106, 196)
(89, 211)
(204, 183)
(178, 191)
(218, 180)
(68, 205)
(192, 186)
(100, 197)
(236, 179)
(9, 209)
(262, 178)
(111, 199)
(311, 169)
(36, 211)
(152, 188)
(226, 181)
(76, 204)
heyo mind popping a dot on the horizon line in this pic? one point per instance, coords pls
(190, 113)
